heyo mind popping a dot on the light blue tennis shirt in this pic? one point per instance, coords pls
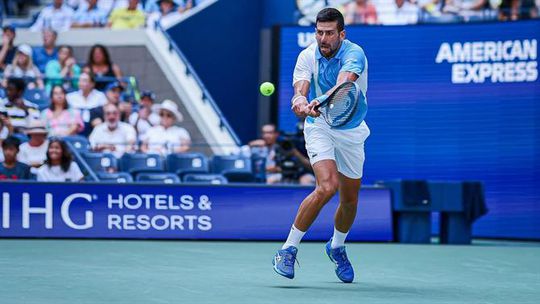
(322, 73)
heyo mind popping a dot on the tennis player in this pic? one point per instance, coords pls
(336, 154)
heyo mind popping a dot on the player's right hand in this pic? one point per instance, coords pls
(299, 107)
(311, 109)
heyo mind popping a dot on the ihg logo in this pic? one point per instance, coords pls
(28, 211)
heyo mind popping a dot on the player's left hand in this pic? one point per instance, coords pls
(311, 110)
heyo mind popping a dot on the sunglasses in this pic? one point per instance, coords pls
(165, 114)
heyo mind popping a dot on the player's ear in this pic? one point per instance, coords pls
(342, 35)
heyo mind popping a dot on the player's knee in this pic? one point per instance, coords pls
(349, 203)
(328, 188)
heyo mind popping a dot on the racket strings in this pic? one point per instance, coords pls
(341, 106)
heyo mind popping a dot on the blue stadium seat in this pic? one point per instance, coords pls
(205, 178)
(22, 137)
(80, 143)
(235, 168)
(162, 178)
(100, 162)
(141, 162)
(37, 96)
(184, 163)
(119, 177)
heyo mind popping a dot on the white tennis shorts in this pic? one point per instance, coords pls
(345, 147)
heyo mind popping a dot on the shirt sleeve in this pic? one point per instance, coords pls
(41, 174)
(75, 173)
(354, 61)
(303, 68)
(131, 134)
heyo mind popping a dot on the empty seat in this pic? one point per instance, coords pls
(100, 162)
(205, 178)
(37, 96)
(118, 177)
(141, 162)
(185, 163)
(235, 168)
(165, 178)
(80, 143)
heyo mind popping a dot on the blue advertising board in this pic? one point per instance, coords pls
(448, 102)
(88, 210)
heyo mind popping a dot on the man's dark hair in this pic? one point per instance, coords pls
(18, 83)
(330, 15)
(11, 141)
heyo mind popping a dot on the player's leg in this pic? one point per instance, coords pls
(346, 211)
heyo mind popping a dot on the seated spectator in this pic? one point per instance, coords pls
(85, 99)
(64, 67)
(4, 132)
(114, 96)
(107, 6)
(360, 12)
(61, 120)
(56, 16)
(18, 112)
(470, 10)
(277, 153)
(166, 138)
(89, 16)
(100, 64)
(8, 49)
(23, 67)
(399, 12)
(59, 166)
(47, 52)
(113, 135)
(10, 168)
(153, 6)
(127, 18)
(146, 117)
(34, 152)
(166, 14)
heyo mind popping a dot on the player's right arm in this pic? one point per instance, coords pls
(301, 83)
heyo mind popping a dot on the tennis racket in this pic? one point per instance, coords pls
(340, 106)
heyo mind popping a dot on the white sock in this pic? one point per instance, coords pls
(294, 238)
(338, 239)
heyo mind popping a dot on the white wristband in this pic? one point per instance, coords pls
(294, 99)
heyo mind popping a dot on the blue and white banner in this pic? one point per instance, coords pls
(87, 210)
(448, 102)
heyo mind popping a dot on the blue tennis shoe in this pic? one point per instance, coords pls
(284, 261)
(338, 256)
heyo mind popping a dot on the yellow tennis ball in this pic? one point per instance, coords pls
(267, 88)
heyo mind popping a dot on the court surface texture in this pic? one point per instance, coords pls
(114, 271)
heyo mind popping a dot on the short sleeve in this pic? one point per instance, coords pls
(303, 68)
(354, 61)
(75, 173)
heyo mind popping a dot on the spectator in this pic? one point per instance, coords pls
(8, 49)
(107, 6)
(56, 16)
(61, 120)
(113, 135)
(400, 12)
(59, 166)
(23, 67)
(147, 117)
(4, 132)
(277, 153)
(10, 168)
(113, 94)
(85, 99)
(64, 67)
(127, 18)
(34, 152)
(167, 138)
(18, 112)
(470, 10)
(166, 14)
(360, 12)
(89, 16)
(47, 52)
(153, 6)
(100, 64)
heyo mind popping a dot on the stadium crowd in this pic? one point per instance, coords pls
(48, 96)
(402, 12)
